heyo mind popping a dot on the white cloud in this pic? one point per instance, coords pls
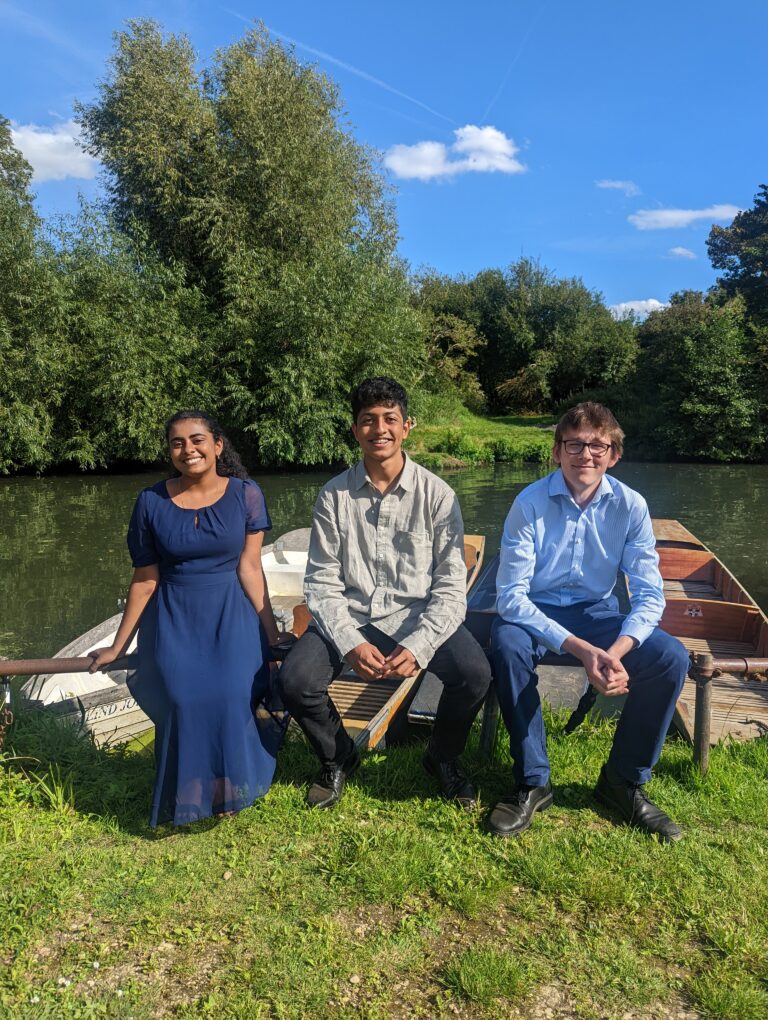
(476, 150)
(629, 188)
(638, 308)
(682, 253)
(54, 152)
(667, 219)
(423, 160)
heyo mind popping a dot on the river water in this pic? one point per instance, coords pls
(64, 562)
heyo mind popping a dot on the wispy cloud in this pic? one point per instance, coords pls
(681, 253)
(640, 309)
(34, 26)
(476, 150)
(629, 188)
(668, 219)
(54, 152)
(322, 55)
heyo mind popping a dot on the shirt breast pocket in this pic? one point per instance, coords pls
(413, 566)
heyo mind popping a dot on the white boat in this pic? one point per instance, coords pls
(100, 704)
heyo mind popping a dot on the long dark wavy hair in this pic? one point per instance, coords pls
(228, 463)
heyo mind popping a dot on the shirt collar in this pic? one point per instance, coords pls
(405, 481)
(558, 487)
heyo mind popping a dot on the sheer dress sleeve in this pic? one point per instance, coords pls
(256, 514)
(141, 541)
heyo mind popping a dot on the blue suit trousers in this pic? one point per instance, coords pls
(656, 670)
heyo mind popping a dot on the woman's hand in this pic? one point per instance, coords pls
(102, 657)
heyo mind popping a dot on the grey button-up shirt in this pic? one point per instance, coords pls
(396, 561)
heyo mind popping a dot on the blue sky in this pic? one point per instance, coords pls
(602, 137)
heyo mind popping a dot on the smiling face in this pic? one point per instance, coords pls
(380, 432)
(584, 471)
(193, 449)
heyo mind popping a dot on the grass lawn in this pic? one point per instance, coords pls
(394, 904)
(467, 439)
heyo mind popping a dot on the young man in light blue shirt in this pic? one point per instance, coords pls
(565, 539)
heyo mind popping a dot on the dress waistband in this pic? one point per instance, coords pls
(200, 580)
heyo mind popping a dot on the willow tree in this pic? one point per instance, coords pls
(247, 175)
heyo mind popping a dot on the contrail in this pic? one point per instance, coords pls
(344, 66)
(515, 59)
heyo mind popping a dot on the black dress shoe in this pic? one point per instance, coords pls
(513, 816)
(330, 783)
(631, 802)
(452, 779)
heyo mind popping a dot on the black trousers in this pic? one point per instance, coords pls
(313, 664)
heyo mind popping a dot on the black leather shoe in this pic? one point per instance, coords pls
(452, 779)
(330, 783)
(631, 802)
(513, 816)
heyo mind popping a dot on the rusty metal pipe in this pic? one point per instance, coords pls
(740, 665)
(702, 670)
(31, 667)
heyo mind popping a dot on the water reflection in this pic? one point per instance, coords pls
(64, 563)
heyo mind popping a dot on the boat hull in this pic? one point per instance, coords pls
(100, 704)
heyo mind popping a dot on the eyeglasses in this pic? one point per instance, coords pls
(575, 446)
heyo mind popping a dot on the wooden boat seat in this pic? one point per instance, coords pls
(690, 590)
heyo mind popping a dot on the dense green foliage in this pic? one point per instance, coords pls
(245, 263)
(545, 338)
(244, 260)
(741, 252)
(245, 177)
(696, 390)
(688, 382)
(30, 313)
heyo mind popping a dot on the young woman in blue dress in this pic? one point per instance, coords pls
(205, 624)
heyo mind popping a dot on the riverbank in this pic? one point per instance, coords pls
(393, 905)
(469, 440)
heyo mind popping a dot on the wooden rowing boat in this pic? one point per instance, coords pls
(711, 612)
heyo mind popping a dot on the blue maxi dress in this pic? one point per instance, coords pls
(203, 675)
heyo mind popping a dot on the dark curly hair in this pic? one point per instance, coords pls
(378, 391)
(228, 463)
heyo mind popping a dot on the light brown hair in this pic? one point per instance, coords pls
(595, 416)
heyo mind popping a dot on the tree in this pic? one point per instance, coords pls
(247, 177)
(453, 343)
(740, 251)
(544, 339)
(31, 320)
(695, 381)
(572, 340)
(138, 346)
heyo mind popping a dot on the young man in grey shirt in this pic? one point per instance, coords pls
(386, 587)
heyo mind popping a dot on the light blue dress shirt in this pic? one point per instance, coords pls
(555, 554)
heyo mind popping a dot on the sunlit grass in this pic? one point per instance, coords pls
(470, 439)
(393, 904)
